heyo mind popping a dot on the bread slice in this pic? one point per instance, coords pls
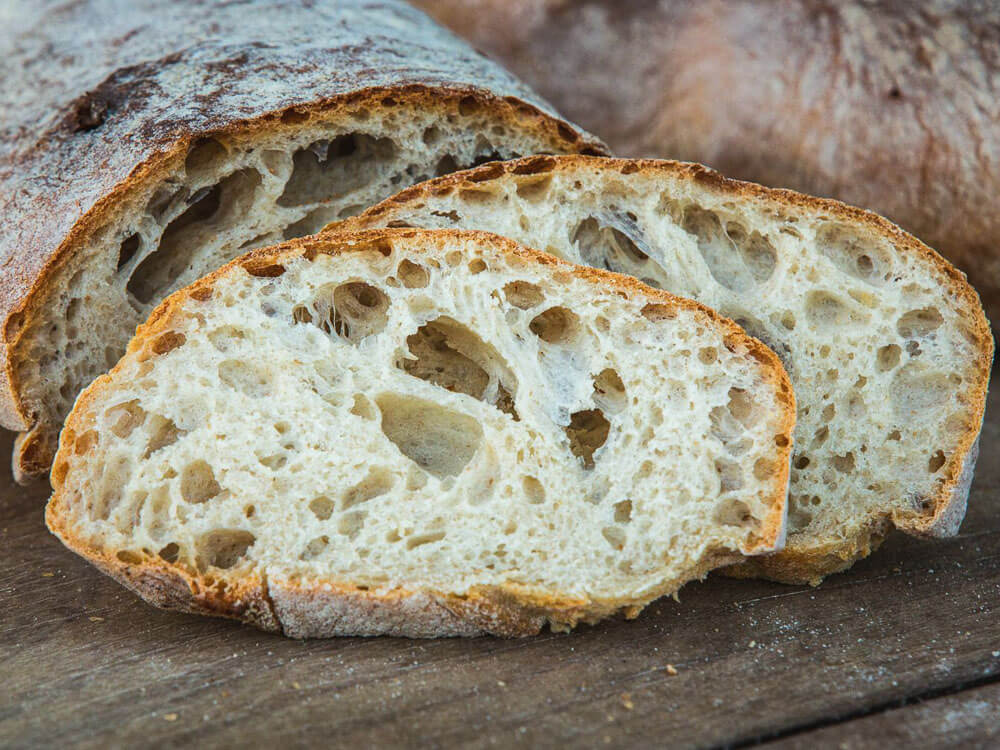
(886, 344)
(184, 134)
(424, 433)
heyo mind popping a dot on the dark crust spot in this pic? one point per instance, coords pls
(534, 165)
(87, 113)
(269, 270)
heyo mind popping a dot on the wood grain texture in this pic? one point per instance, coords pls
(87, 663)
(968, 719)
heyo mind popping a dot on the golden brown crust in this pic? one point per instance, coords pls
(326, 608)
(242, 76)
(943, 513)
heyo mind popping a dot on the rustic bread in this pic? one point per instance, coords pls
(173, 136)
(424, 433)
(889, 105)
(886, 344)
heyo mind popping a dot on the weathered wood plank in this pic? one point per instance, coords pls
(969, 719)
(83, 661)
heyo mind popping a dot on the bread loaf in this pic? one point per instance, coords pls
(423, 433)
(886, 344)
(889, 105)
(145, 142)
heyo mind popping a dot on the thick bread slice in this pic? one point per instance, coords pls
(885, 342)
(424, 433)
(185, 133)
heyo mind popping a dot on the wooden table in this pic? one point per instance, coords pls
(903, 649)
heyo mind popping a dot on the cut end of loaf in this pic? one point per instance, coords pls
(426, 433)
(221, 194)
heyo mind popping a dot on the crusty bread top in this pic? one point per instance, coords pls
(150, 76)
(940, 511)
(303, 606)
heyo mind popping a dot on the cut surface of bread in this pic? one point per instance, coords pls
(886, 344)
(234, 126)
(424, 433)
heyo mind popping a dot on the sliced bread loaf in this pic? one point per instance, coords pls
(424, 433)
(886, 344)
(184, 133)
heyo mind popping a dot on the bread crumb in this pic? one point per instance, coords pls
(170, 717)
(752, 644)
(671, 670)
(627, 702)
(47, 575)
(296, 685)
(96, 619)
(501, 683)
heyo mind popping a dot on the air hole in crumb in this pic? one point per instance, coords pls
(732, 512)
(609, 391)
(315, 548)
(208, 208)
(851, 253)
(919, 323)
(730, 475)
(198, 483)
(326, 168)
(615, 536)
(413, 275)
(321, 507)
(557, 325)
(523, 294)
(131, 558)
(205, 158)
(535, 188)
(587, 432)
(534, 490)
(824, 310)
(421, 539)
(844, 463)
(936, 462)
(439, 440)
(223, 548)
(656, 311)
(352, 311)
(127, 251)
(477, 266)
(764, 469)
(162, 432)
(362, 407)
(170, 552)
(452, 356)
(377, 482)
(623, 511)
(274, 461)
(125, 418)
(888, 357)
(708, 355)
